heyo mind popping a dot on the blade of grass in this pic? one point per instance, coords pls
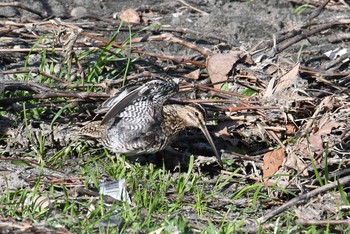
(126, 71)
(31, 49)
(317, 173)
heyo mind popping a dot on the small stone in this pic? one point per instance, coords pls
(79, 12)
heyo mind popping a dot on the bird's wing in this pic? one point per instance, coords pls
(152, 93)
(121, 101)
(110, 102)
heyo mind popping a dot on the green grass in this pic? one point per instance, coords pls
(160, 200)
(302, 8)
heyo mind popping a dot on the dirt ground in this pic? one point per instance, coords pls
(301, 108)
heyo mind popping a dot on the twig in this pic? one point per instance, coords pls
(36, 71)
(40, 49)
(170, 37)
(323, 222)
(137, 51)
(319, 72)
(303, 198)
(206, 88)
(206, 101)
(82, 95)
(103, 42)
(241, 108)
(27, 86)
(297, 34)
(5, 32)
(336, 61)
(166, 28)
(331, 6)
(193, 8)
(47, 169)
(338, 37)
(318, 10)
(305, 34)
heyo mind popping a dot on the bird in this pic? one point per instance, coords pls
(139, 120)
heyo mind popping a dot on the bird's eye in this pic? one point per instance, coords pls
(196, 114)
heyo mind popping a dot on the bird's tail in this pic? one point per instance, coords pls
(92, 129)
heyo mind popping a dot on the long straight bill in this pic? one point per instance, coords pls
(210, 140)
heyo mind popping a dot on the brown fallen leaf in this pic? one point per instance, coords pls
(272, 161)
(325, 128)
(287, 80)
(278, 86)
(293, 161)
(221, 130)
(219, 65)
(130, 16)
(291, 129)
(327, 103)
(194, 75)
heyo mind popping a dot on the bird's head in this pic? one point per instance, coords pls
(194, 116)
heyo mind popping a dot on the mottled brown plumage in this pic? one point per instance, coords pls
(138, 122)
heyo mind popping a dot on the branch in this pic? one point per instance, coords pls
(304, 198)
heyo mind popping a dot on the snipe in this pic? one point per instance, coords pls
(138, 122)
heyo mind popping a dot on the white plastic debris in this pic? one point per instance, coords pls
(177, 14)
(115, 189)
(333, 54)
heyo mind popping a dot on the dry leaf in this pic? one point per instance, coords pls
(26, 225)
(328, 103)
(327, 127)
(287, 80)
(221, 130)
(224, 134)
(193, 75)
(277, 86)
(324, 129)
(219, 65)
(269, 88)
(291, 129)
(293, 161)
(316, 141)
(130, 16)
(271, 69)
(272, 161)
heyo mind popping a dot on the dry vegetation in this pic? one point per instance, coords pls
(279, 111)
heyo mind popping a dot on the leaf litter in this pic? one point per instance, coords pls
(291, 131)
